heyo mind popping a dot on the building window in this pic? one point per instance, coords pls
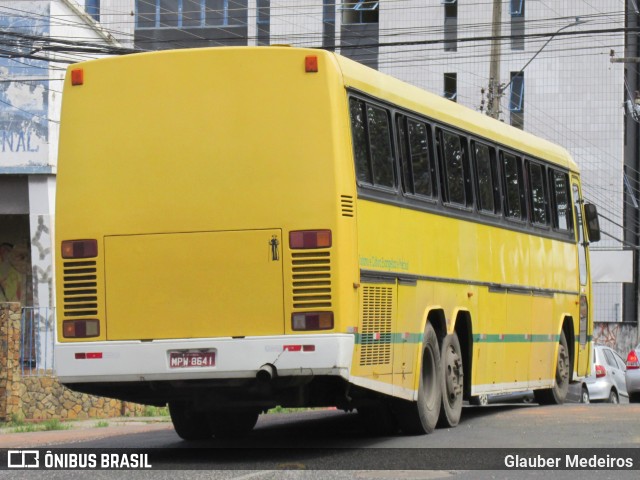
(517, 24)
(516, 100)
(190, 13)
(92, 7)
(517, 8)
(263, 21)
(359, 12)
(329, 24)
(451, 86)
(450, 25)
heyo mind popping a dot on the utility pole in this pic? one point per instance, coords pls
(494, 93)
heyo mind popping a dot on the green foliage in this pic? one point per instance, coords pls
(153, 411)
(55, 424)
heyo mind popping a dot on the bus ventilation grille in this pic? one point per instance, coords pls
(311, 280)
(346, 203)
(80, 289)
(375, 333)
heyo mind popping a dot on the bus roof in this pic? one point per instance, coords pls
(397, 92)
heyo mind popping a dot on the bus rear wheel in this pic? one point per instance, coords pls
(417, 418)
(188, 423)
(452, 382)
(232, 423)
(557, 394)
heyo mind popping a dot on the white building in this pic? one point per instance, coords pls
(38, 40)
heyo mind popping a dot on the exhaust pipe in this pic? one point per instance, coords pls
(266, 373)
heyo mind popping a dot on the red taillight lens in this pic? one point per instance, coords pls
(312, 321)
(600, 371)
(79, 248)
(632, 360)
(310, 239)
(80, 328)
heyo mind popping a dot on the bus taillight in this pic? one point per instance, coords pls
(79, 248)
(312, 321)
(80, 328)
(303, 239)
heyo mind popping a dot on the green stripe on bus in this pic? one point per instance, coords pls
(407, 337)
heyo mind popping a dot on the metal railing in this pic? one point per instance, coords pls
(37, 341)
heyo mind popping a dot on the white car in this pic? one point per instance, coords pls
(607, 380)
(633, 375)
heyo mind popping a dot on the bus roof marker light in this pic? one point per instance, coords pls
(311, 64)
(77, 77)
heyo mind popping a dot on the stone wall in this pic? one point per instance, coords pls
(43, 397)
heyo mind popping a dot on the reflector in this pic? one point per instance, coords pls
(80, 328)
(302, 239)
(79, 248)
(311, 64)
(77, 76)
(312, 321)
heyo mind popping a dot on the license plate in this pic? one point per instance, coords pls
(192, 359)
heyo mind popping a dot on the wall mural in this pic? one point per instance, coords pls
(24, 102)
(14, 272)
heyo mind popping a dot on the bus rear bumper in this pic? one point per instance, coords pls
(213, 358)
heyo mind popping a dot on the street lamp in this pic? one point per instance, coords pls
(573, 24)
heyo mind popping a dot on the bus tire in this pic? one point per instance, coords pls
(557, 394)
(452, 382)
(232, 423)
(421, 417)
(188, 423)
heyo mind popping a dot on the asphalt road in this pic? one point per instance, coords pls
(333, 444)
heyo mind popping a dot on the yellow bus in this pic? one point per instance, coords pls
(240, 228)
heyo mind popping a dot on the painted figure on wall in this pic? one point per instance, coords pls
(14, 265)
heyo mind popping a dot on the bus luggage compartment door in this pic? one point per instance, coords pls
(194, 285)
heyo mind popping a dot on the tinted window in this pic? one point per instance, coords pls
(560, 194)
(360, 141)
(453, 162)
(372, 149)
(417, 165)
(513, 185)
(487, 173)
(380, 143)
(538, 195)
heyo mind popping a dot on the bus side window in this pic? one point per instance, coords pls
(539, 196)
(456, 178)
(360, 141)
(417, 165)
(380, 145)
(515, 207)
(372, 148)
(582, 245)
(561, 212)
(487, 174)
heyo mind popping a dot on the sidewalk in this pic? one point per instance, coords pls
(82, 430)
